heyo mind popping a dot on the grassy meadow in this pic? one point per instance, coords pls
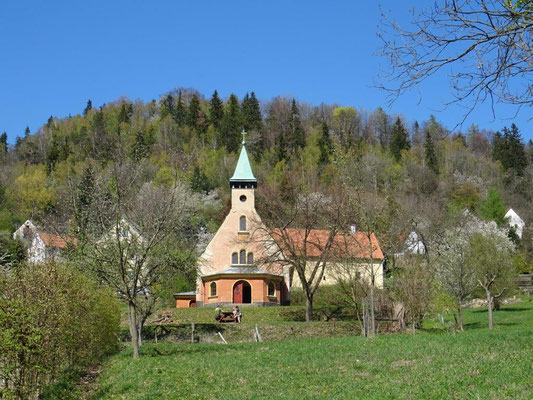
(430, 364)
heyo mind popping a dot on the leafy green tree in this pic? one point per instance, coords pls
(296, 133)
(88, 107)
(431, 155)
(216, 110)
(199, 182)
(493, 208)
(126, 111)
(232, 124)
(325, 145)
(193, 112)
(180, 113)
(399, 140)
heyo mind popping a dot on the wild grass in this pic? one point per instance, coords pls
(430, 364)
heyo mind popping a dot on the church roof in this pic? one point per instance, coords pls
(243, 171)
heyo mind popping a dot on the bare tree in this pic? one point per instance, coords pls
(484, 45)
(131, 224)
(300, 234)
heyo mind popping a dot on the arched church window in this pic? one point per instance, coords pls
(213, 289)
(271, 289)
(242, 223)
(250, 258)
(234, 258)
(242, 257)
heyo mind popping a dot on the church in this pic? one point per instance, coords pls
(227, 273)
(228, 270)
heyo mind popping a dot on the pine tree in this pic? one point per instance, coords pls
(125, 113)
(199, 181)
(53, 155)
(27, 131)
(3, 143)
(216, 110)
(251, 112)
(399, 140)
(180, 114)
(431, 156)
(296, 132)
(193, 112)
(493, 208)
(84, 199)
(325, 145)
(510, 150)
(167, 106)
(417, 138)
(232, 124)
(88, 107)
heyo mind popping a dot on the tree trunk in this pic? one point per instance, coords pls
(460, 317)
(133, 329)
(308, 309)
(372, 314)
(489, 306)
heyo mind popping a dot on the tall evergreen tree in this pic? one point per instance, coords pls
(84, 199)
(193, 112)
(417, 138)
(3, 143)
(251, 112)
(325, 145)
(216, 110)
(180, 113)
(296, 132)
(27, 131)
(125, 113)
(53, 155)
(167, 106)
(431, 155)
(399, 140)
(232, 124)
(88, 107)
(510, 150)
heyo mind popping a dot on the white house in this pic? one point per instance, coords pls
(515, 222)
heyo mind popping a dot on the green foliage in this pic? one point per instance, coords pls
(216, 110)
(232, 125)
(88, 107)
(325, 145)
(399, 140)
(465, 197)
(296, 133)
(510, 150)
(493, 208)
(52, 318)
(193, 112)
(431, 155)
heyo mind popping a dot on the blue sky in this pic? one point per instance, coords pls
(58, 54)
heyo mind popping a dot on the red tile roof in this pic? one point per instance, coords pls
(356, 244)
(56, 241)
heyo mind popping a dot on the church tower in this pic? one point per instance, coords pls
(243, 183)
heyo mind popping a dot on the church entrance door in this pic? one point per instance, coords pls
(242, 293)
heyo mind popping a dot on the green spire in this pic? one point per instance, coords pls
(243, 171)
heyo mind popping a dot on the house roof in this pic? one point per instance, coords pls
(185, 294)
(56, 241)
(356, 244)
(243, 170)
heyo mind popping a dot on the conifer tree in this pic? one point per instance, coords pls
(493, 208)
(510, 150)
(27, 131)
(180, 113)
(251, 112)
(125, 112)
(232, 124)
(53, 155)
(84, 199)
(193, 112)
(281, 147)
(296, 131)
(417, 138)
(167, 106)
(216, 110)
(199, 181)
(88, 107)
(399, 140)
(431, 155)
(3, 143)
(325, 145)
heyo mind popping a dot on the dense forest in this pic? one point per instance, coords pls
(430, 172)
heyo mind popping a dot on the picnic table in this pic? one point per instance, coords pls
(227, 316)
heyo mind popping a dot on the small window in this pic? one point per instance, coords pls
(271, 289)
(234, 258)
(242, 257)
(250, 258)
(242, 198)
(213, 289)
(242, 223)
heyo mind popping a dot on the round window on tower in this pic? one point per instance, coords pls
(242, 198)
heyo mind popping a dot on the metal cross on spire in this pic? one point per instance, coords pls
(243, 133)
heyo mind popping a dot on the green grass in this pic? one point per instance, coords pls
(431, 364)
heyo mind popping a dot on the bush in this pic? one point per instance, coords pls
(52, 318)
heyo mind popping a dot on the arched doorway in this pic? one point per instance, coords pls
(192, 303)
(242, 293)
